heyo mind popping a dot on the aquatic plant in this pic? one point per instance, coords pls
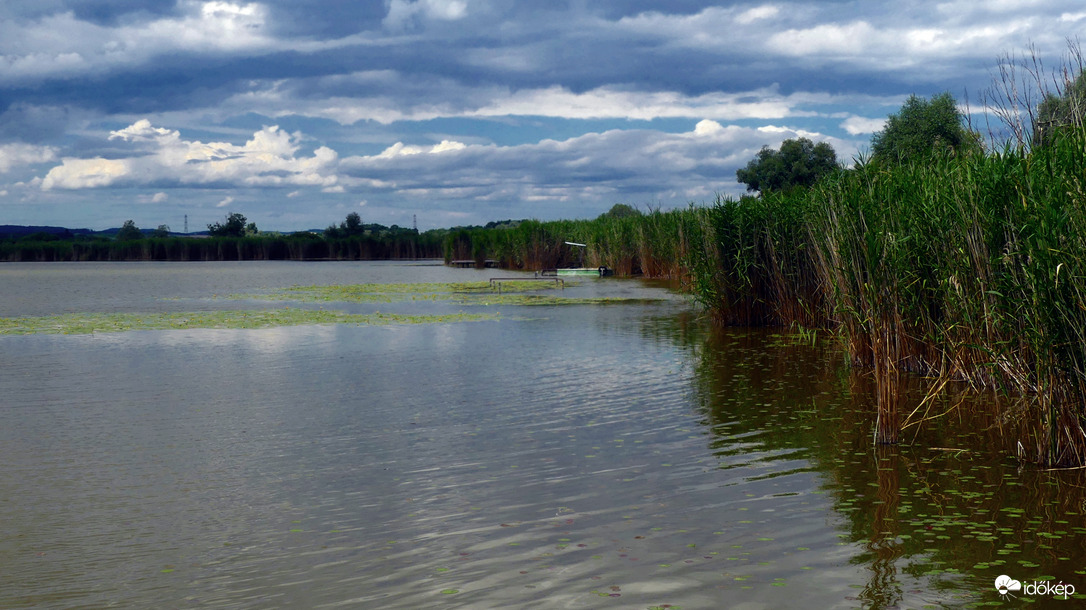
(462, 293)
(479, 294)
(89, 323)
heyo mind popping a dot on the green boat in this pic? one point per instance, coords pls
(582, 271)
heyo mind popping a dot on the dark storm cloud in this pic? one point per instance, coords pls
(111, 12)
(200, 78)
(327, 18)
(33, 124)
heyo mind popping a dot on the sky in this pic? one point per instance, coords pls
(444, 113)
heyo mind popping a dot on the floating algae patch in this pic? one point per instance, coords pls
(387, 293)
(88, 323)
(466, 293)
(546, 299)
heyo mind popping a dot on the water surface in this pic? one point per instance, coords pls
(578, 456)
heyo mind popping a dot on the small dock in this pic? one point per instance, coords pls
(470, 263)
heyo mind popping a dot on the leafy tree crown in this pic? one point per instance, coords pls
(233, 227)
(621, 210)
(798, 163)
(922, 128)
(129, 230)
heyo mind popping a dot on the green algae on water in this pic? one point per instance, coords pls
(89, 323)
(388, 293)
(461, 293)
(541, 299)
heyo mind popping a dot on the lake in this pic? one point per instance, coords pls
(594, 446)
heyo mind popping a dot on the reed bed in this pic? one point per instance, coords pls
(654, 244)
(968, 267)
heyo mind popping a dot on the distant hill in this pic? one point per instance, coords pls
(17, 231)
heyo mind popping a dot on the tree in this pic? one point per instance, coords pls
(233, 227)
(161, 231)
(798, 163)
(922, 128)
(353, 224)
(349, 227)
(128, 231)
(1061, 111)
(621, 210)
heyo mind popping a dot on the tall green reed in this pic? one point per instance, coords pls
(971, 268)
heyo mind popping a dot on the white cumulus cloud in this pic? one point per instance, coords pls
(61, 43)
(17, 155)
(399, 149)
(706, 127)
(857, 125)
(268, 159)
(86, 173)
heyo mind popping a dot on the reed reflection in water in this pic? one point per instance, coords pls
(932, 521)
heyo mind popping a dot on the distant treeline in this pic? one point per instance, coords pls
(233, 239)
(403, 244)
(963, 265)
